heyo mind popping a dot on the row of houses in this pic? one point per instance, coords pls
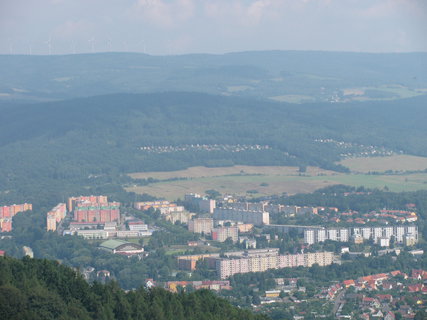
(406, 234)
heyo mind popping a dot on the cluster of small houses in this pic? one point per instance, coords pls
(383, 216)
(203, 147)
(374, 305)
(175, 286)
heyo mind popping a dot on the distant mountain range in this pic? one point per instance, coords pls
(289, 76)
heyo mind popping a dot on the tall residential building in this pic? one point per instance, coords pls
(269, 260)
(223, 233)
(50, 222)
(98, 212)
(8, 212)
(358, 234)
(180, 216)
(257, 218)
(6, 224)
(201, 225)
(73, 201)
(54, 216)
(203, 204)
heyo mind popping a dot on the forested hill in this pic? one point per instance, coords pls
(76, 139)
(292, 76)
(42, 289)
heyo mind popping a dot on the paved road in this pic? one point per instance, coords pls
(338, 301)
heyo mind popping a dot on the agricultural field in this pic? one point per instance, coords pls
(263, 181)
(382, 164)
(204, 172)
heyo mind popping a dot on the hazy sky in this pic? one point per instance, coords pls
(211, 26)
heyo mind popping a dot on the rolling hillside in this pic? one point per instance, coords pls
(290, 76)
(79, 140)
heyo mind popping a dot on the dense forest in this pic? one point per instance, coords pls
(92, 142)
(42, 289)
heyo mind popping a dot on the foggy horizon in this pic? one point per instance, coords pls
(159, 27)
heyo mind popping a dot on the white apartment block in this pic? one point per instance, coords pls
(312, 236)
(264, 261)
(399, 232)
(257, 218)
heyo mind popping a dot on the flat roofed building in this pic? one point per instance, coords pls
(93, 234)
(201, 225)
(6, 224)
(137, 226)
(203, 204)
(226, 267)
(50, 223)
(257, 218)
(223, 233)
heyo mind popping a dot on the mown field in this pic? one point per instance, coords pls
(382, 164)
(261, 181)
(203, 172)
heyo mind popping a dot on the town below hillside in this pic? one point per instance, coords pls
(348, 256)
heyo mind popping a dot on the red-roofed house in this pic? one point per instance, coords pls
(415, 287)
(385, 297)
(395, 273)
(417, 274)
(348, 283)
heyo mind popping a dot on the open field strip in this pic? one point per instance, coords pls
(271, 184)
(381, 164)
(199, 172)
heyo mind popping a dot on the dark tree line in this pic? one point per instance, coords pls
(42, 289)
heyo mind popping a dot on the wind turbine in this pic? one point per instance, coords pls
(143, 44)
(73, 47)
(109, 44)
(125, 45)
(49, 45)
(30, 49)
(92, 43)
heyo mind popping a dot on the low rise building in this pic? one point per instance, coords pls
(92, 234)
(137, 226)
